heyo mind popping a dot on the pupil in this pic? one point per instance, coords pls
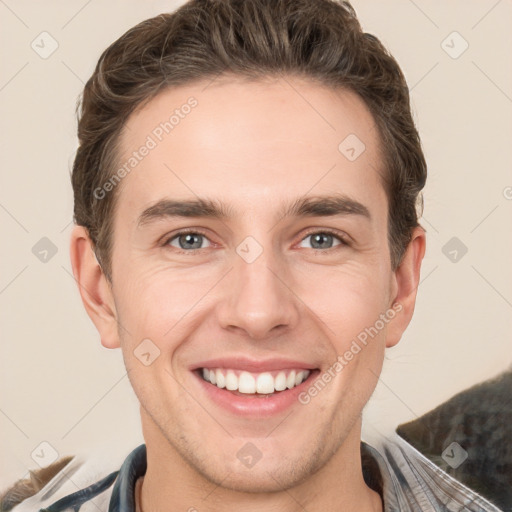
(321, 237)
(189, 240)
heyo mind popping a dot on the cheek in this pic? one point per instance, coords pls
(154, 302)
(357, 336)
(351, 300)
(158, 302)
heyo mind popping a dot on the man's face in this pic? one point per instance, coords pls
(258, 291)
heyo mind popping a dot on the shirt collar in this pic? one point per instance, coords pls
(123, 493)
(135, 466)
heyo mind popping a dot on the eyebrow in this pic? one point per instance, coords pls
(313, 206)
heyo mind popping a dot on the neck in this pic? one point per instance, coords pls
(171, 483)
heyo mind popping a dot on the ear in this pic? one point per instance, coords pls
(406, 279)
(94, 287)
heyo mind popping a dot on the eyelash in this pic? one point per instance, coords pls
(342, 239)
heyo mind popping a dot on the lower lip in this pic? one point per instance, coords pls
(253, 406)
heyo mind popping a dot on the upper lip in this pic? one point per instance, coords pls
(253, 365)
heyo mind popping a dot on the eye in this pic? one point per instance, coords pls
(324, 240)
(187, 240)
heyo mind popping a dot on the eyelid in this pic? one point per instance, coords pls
(345, 240)
(164, 241)
(341, 236)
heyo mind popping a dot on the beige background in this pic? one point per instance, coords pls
(61, 387)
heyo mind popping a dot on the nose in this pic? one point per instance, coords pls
(259, 298)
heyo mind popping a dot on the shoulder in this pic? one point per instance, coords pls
(416, 483)
(468, 437)
(80, 480)
(26, 487)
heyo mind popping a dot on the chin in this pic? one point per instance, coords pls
(265, 479)
(265, 475)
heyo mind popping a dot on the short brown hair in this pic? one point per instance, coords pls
(320, 40)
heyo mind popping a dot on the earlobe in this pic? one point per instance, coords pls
(406, 281)
(94, 287)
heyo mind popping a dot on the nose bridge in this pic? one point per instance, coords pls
(258, 299)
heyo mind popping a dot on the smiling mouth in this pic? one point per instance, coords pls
(248, 384)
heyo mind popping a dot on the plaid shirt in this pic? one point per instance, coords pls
(405, 479)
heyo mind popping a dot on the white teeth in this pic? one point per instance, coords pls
(280, 382)
(221, 380)
(231, 381)
(246, 383)
(290, 381)
(264, 383)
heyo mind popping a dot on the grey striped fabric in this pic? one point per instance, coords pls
(407, 482)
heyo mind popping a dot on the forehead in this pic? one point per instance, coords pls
(248, 144)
